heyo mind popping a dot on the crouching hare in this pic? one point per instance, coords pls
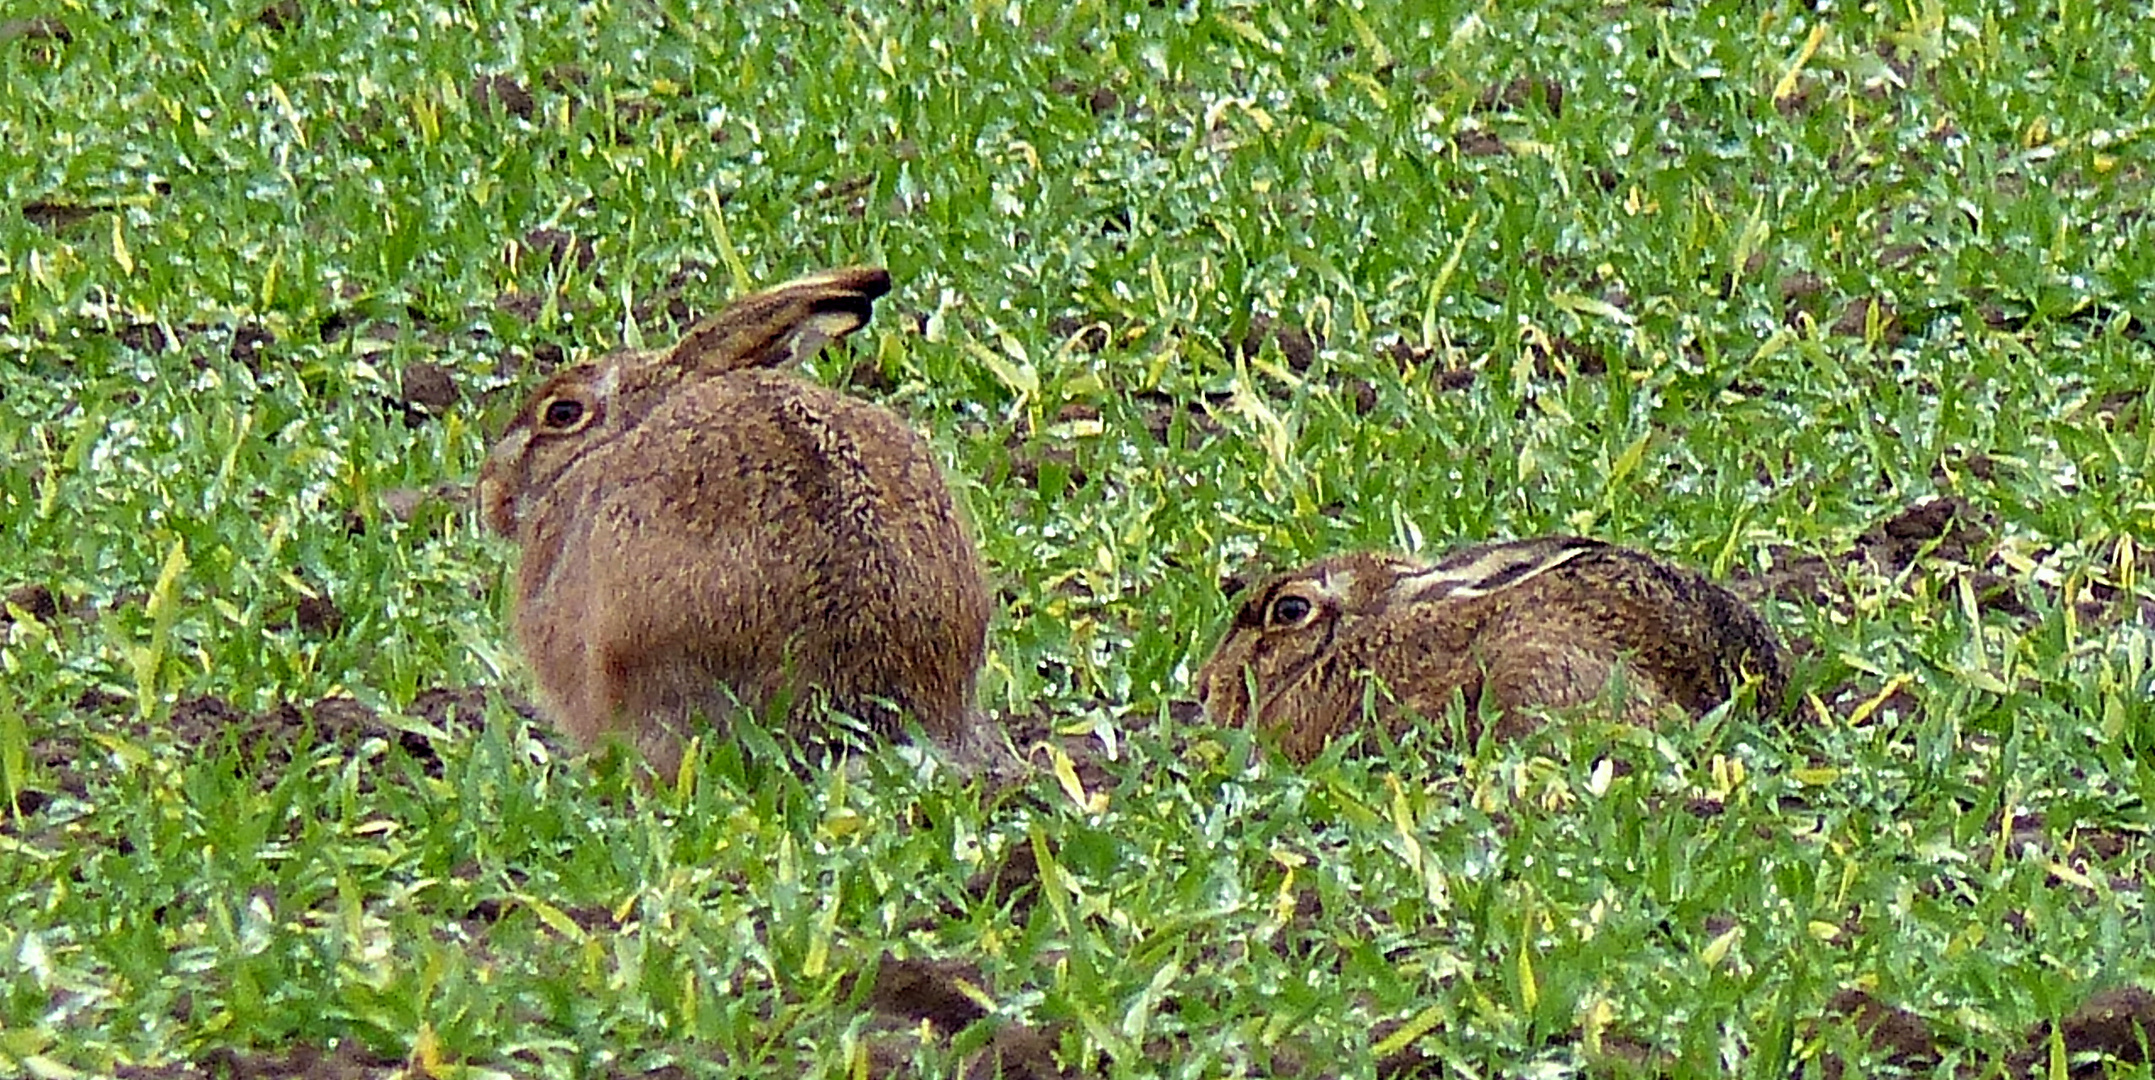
(706, 538)
(1541, 623)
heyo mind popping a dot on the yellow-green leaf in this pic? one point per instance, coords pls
(120, 254)
(1717, 950)
(1404, 1035)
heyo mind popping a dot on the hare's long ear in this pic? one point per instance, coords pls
(784, 324)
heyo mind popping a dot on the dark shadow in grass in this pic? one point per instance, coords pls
(268, 741)
(282, 16)
(1896, 1035)
(1942, 534)
(590, 918)
(59, 215)
(2114, 1026)
(2079, 847)
(425, 391)
(946, 995)
(1100, 100)
(1296, 345)
(1080, 335)
(35, 600)
(349, 1061)
(281, 735)
(1013, 882)
(41, 37)
(488, 92)
(1522, 93)
(1946, 540)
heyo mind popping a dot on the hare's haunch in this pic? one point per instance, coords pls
(1532, 623)
(706, 538)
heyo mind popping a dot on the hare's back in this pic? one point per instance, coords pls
(763, 450)
(769, 507)
(1693, 637)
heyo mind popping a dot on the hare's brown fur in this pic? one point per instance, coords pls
(705, 538)
(1541, 623)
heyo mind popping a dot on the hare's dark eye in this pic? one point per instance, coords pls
(1289, 610)
(562, 414)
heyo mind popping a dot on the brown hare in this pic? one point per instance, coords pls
(1531, 623)
(706, 537)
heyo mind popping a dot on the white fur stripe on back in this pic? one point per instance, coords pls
(1481, 571)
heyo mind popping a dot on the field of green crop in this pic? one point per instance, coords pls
(1847, 304)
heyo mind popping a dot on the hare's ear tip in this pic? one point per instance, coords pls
(841, 301)
(868, 281)
(871, 278)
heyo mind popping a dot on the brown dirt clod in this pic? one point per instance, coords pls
(1903, 1037)
(1364, 395)
(1565, 356)
(1019, 871)
(488, 91)
(42, 37)
(1855, 319)
(1083, 336)
(34, 600)
(1026, 463)
(927, 990)
(523, 306)
(448, 707)
(1960, 534)
(1479, 143)
(429, 389)
(145, 337)
(281, 16)
(1295, 343)
(36, 28)
(406, 504)
(560, 245)
(248, 343)
(2118, 1022)
(317, 615)
(869, 377)
(57, 216)
(1521, 92)
(916, 990)
(563, 76)
(1800, 286)
(1406, 354)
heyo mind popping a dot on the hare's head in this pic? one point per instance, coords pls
(580, 408)
(1288, 626)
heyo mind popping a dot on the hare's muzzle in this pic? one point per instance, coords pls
(497, 490)
(497, 508)
(1208, 690)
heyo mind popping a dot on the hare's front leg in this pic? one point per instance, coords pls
(660, 699)
(1550, 666)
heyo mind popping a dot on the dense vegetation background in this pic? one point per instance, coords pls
(1847, 303)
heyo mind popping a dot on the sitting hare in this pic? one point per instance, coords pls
(705, 534)
(1542, 622)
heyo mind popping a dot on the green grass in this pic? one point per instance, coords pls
(1626, 315)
